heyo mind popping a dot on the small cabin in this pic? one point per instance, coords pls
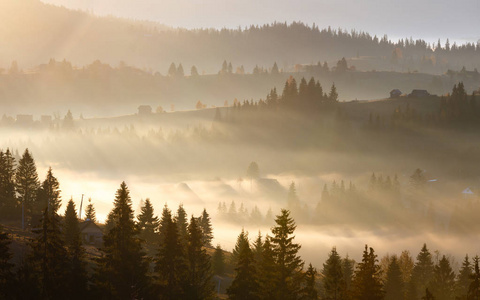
(144, 110)
(419, 94)
(395, 93)
(91, 233)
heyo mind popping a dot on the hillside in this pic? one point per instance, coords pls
(34, 32)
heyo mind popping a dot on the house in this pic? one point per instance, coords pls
(419, 94)
(144, 110)
(91, 233)
(395, 93)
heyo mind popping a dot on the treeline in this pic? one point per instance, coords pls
(454, 110)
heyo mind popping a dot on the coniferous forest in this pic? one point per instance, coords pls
(321, 150)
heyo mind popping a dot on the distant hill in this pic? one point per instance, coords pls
(33, 32)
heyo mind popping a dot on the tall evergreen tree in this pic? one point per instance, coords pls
(474, 288)
(90, 213)
(164, 221)
(245, 284)
(348, 272)
(182, 222)
(148, 222)
(49, 193)
(289, 264)
(206, 226)
(367, 284)
(76, 274)
(394, 287)
(200, 284)
(49, 257)
(8, 201)
(122, 270)
(422, 273)
(257, 249)
(268, 271)
(443, 283)
(171, 264)
(6, 274)
(333, 280)
(218, 261)
(463, 279)
(26, 180)
(309, 291)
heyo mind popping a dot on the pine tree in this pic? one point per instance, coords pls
(49, 257)
(26, 181)
(422, 273)
(148, 223)
(443, 282)
(90, 213)
(333, 95)
(257, 249)
(172, 70)
(394, 287)
(242, 239)
(333, 280)
(76, 274)
(6, 274)
(245, 284)
(182, 222)
(164, 220)
(122, 270)
(199, 281)
(49, 193)
(206, 226)
(193, 71)
(463, 279)
(309, 292)
(218, 261)
(268, 271)
(348, 272)
(293, 203)
(171, 264)
(289, 264)
(367, 284)
(474, 288)
(8, 201)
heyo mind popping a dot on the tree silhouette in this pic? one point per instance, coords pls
(26, 181)
(6, 274)
(206, 226)
(367, 284)
(122, 270)
(218, 261)
(289, 275)
(310, 291)
(422, 273)
(148, 222)
(8, 200)
(394, 286)
(90, 212)
(443, 282)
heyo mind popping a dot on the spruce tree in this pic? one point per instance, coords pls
(422, 273)
(90, 213)
(257, 249)
(348, 272)
(218, 261)
(26, 181)
(49, 257)
(164, 221)
(443, 283)
(242, 239)
(171, 264)
(206, 226)
(182, 222)
(49, 193)
(245, 284)
(463, 279)
(474, 288)
(367, 284)
(309, 291)
(289, 275)
(333, 279)
(76, 273)
(199, 281)
(268, 271)
(148, 223)
(6, 274)
(122, 271)
(394, 287)
(8, 201)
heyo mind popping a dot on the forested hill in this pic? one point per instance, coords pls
(54, 32)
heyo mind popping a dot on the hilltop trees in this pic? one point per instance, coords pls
(122, 270)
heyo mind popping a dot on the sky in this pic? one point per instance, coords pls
(426, 19)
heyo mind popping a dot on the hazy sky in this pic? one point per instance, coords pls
(427, 19)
